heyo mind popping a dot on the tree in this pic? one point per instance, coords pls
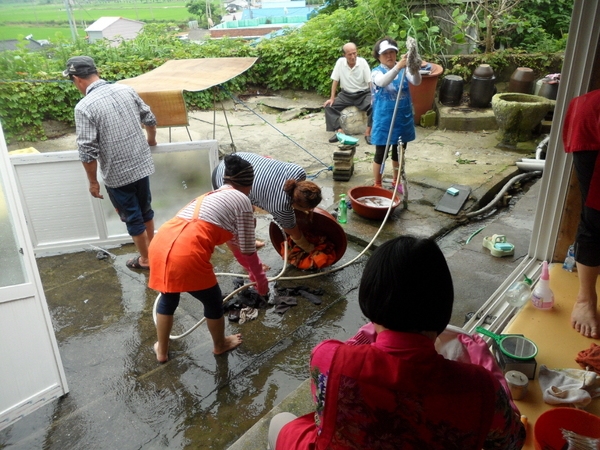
(205, 10)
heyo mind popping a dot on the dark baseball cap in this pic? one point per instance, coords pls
(80, 66)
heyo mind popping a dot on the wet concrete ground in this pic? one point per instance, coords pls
(120, 397)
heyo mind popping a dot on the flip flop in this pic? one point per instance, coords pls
(498, 246)
(134, 263)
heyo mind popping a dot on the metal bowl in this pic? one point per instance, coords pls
(367, 211)
(321, 223)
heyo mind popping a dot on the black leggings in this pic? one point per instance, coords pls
(587, 242)
(380, 150)
(211, 298)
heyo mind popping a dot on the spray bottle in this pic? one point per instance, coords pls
(542, 296)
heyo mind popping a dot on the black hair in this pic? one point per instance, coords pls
(376, 54)
(406, 286)
(238, 171)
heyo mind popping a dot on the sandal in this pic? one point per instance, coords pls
(498, 246)
(134, 263)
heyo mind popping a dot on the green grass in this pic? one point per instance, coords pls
(43, 21)
(13, 32)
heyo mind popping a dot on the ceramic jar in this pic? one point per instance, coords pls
(548, 89)
(484, 71)
(522, 80)
(481, 91)
(451, 90)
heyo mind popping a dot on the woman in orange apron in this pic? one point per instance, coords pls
(181, 250)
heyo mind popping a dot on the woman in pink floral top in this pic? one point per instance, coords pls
(387, 387)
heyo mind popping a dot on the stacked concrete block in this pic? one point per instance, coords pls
(343, 162)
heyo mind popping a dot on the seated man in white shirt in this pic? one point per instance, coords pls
(353, 74)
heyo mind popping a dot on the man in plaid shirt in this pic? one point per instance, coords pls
(109, 121)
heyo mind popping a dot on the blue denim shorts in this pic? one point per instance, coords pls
(132, 203)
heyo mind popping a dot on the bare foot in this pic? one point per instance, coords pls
(583, 319)
(259, 244)
(160, 357)
(230, 343)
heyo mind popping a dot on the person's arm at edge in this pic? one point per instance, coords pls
(331, 99)
(151, 132)
(299, 238)
(91, 169)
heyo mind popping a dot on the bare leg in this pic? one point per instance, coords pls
(141, 243)
(149, 230)
(164, 324)
(396, 167)
(368, 131)
(222, 343)
(376, 174)
(584, 315)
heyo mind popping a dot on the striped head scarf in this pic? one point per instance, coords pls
(244, 177)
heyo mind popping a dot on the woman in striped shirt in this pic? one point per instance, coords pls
(279, 188)
(181, 250)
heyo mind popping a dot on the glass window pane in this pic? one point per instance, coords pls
(12, 268)
(180, 176)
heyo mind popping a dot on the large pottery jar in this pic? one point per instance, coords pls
(451, 90)
(518, 114)
(522, 80)
(482, 87)
(481, 91)
(548, 88)
(423, 95)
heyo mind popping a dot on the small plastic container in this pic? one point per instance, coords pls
(569, 263)
(519, 292)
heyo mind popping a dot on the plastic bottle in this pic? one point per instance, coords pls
(542, 296)
(520, 291)
(342, 216)
(569, 263)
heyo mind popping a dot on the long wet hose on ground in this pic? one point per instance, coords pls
(499, 195)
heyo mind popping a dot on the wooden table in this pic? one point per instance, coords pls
(557, 341)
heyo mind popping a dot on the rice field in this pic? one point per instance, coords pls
(43, 21)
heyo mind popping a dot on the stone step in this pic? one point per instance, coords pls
(465, 118)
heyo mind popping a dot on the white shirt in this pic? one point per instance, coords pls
(353, 79)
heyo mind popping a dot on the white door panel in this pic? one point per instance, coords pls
(31, 372)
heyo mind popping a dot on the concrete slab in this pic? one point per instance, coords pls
(465, 118)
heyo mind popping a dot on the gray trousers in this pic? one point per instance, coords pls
(361, 99)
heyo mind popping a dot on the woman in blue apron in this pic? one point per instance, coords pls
(385, 83)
